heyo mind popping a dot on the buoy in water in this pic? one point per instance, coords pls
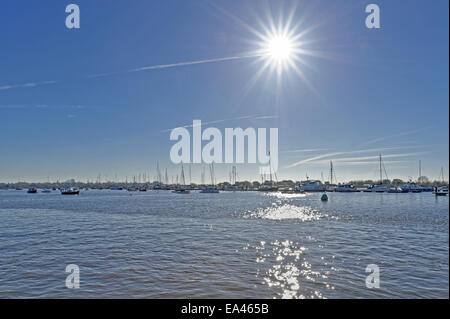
(324, 198)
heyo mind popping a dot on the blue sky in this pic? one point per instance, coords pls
(370, 91)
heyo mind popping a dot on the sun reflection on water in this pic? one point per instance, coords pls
(283, 268)
(286, 211)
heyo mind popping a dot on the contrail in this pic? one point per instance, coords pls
(26, 85)
(174, 65)
(145, 68)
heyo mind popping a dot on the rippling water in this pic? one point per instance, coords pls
(227, 245)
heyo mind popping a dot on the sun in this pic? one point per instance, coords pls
(279, 48)
(283, 47)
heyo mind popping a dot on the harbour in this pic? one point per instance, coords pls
(157, 244)
(223, 154)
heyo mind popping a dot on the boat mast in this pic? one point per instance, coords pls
(158, 172)
(183, 181)
(211, 172)
(381, 173)
(190, 175)
(270, 169)
(331, 172)
(203, 176)
(420, 171)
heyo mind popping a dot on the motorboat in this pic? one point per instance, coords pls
(347, 188)
(426, 189)
(313, 186)
(396, 190)
(32, 190)
(412, 188)
(441, 191)
(232, 189)
(286, 190)
(268, 188)
(376, 188)
(46, 191)
(70, 191)
(209, 190)
(181, 191)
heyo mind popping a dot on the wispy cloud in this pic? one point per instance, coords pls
(332, 156)
(381, 139)
(364, 159)
(25, 85)
(267, 117)
(370, 163)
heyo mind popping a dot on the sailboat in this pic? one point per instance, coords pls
(269, 186)
(211, 189)
(331, 186)
(378, 188)
(157, 185)
(182, 189)
(442, 190)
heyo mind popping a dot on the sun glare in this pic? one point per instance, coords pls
(279, 48)
(282, 47)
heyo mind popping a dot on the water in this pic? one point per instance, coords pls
(227, 245)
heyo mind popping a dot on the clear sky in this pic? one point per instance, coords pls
(362, 92)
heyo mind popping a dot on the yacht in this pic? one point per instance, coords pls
(268, 188)
(232, 188)
(32, 190)
(426, 188)
(441, 191)
(312, 186)
(181, 191)
(286, 190)
(412, 188)
(209, 191)
(396, 190)
(70, 191)
(347, 188)
(376, 188)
